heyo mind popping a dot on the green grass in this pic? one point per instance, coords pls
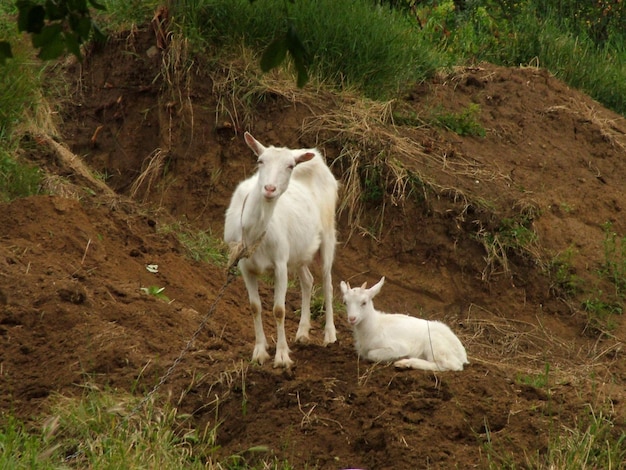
(465, 123)
(541, 381)
(594, 442)
(201, 245)
(103, 429)
(561, 37)
(614, 266)
(564, 280)
(20, 95)
(350, 44)
(17, 179)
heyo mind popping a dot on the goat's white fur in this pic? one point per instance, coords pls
(409, 341)
(289, 206)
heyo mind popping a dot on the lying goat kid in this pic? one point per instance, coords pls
(410, 342)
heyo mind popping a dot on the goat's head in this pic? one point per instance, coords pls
(358, 300)
(275, 165)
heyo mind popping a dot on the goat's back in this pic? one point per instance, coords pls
(316, 175)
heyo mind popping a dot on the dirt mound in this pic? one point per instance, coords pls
(77, 270)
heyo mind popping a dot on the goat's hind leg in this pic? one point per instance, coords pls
(306, 284)
(328, 254)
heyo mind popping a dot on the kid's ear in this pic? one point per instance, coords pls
(305, 157)
(375, 289)
(256, 146)
(344, 287)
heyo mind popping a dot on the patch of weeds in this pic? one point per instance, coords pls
(594, 442)
(564, 280)
(101, 175)
(516, 232)
(373, 184)
(155, 291)
(407, 118)
(317, 305)
(565, 207)
(18, 180)
(464, 123)
(496, 459)
(255, 457)
(601, 314)
(201, 245)
(535, 380)
(614, 266)
(513, 235)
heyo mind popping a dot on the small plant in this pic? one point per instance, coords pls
(595, 442)
(16, 179)
(156, 292)
(201, 245)
(564, 280)
(600, 313)
(513, 235)
(373, 187)
(614, 266)
(464, 123)
(535, 380)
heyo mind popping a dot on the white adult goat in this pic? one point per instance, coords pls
(286, 209)
(411, 342)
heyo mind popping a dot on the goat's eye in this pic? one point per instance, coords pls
(291, 167)
(363, 304)
(259, 162)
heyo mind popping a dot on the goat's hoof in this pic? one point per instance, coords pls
(282, 360)
(330, 337)
(260, 357)
(303, 339)
(287, 365)
(402, 364)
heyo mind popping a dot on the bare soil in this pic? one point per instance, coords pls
(72, 264)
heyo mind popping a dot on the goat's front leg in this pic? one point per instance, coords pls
(259, 354)
(306, 283)
(382, 354)
(280, 292)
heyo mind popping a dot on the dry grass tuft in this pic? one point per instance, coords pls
(150, 175)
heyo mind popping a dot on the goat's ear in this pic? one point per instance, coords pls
(305, 157)
(375, 289)
(256, 146)
(344, 287)
(364, 285)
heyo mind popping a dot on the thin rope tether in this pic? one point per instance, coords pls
(237, 252)
(430, 340)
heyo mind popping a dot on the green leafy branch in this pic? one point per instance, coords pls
(56, 26)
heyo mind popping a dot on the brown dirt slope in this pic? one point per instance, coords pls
(168, 140)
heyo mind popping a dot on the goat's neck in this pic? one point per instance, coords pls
(255, 217)
(370, 321)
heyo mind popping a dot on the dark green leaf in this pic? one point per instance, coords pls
(52, 49)
(72, 42)
(31, 17)
(303, 76)
(82, 28)
(274, 54)
(299, 54)
(55, 10)
(5, 52)
(98, 35)
(96, 5)
(77, 5)
(50, 33)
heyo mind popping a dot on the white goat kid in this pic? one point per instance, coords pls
(287, 209)
(411, 342)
